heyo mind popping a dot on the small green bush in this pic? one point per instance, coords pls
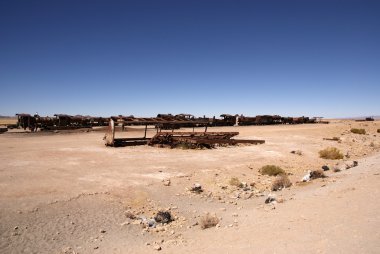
(358, 131)
(331, 153)
(271, 170)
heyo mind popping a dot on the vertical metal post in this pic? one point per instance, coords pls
(146, 127)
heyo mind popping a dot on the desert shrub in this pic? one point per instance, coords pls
(331, 153)
(358, 131)
(378, 130)
(234, 181)
(281, 182)
(271, 170)
(317, 174)
(130, 215)
(209, 221)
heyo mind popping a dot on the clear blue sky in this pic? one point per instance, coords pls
(314, 58)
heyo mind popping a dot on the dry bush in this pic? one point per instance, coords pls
(271, 170)
(209, 221)
(234, 181)
(281, 182)
(358, 131)
(317, 174)
(331, 153)
(130, 215)
(378, 130)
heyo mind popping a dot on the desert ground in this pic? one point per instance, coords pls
(65, 192)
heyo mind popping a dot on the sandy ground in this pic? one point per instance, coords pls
(68, 193)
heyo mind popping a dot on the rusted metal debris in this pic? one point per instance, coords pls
(161, 121)
(198, 139)
(367, 119)
(59, 122)
(177, 139)
(3, 129)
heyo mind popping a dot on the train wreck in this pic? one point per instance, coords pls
(171, 139)
(161, 121)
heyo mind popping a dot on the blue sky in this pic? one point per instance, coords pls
(314, 58)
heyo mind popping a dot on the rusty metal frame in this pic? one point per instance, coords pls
(172, 139)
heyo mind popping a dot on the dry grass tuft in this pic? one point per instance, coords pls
(317, 174)
(271, 170)
(331, 153)
(281, 182)
(130, 215)
(358, 131)
(234, 181)
(209, 221)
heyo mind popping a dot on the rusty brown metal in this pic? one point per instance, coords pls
(199, 139)
(175, 139)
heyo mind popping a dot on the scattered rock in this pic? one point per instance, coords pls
(151, 223)
(163, 217)
(325, 168)
(246, 195)
(344, 166)
(197, 188)
(125, 223)
(298, 152)
(351, 164)
(166, 182)
(270, 199)
(157, 247)
(102, 231)
(306, 177)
